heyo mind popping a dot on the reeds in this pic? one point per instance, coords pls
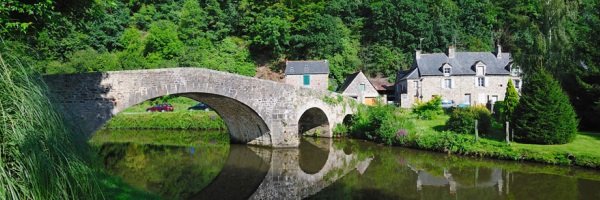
(40, 157)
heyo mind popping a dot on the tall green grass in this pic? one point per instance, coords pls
(40, 157)
(184, 120)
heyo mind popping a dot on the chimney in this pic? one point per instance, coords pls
(498, 51)
(451, 52)
(418, 54)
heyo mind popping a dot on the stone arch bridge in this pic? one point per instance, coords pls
(257, 112)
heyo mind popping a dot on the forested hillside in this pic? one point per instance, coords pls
(377, 36)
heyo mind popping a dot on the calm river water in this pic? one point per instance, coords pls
(335, 169)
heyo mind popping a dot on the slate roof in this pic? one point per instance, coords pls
(348, 81)
(306, 67)
(463, 63)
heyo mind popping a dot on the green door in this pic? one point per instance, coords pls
(306, 80)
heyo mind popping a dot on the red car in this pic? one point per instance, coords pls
(161, 108)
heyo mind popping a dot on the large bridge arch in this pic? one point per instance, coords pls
(258, 112)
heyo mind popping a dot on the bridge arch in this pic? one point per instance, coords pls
(314, 122)
(243, 123)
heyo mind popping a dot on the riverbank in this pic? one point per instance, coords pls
(181, 118)
(401, 127)
(186, 120)
(582, 151)
(160, 137)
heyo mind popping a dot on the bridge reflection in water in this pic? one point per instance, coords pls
(247, 173)
(284, 175)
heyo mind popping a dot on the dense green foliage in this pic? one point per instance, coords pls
(500, 112)
(544, 114)
(381, 123)
(430, 109)
(462, 120)
(40, 156)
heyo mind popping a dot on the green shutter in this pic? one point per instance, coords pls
(306, 79)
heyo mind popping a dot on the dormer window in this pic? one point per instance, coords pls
(480, 69)
(514, 70)
(447, 70)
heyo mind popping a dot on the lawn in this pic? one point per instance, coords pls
(585, 143)
(430, 135)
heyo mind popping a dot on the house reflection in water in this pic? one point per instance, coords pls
(488, 178)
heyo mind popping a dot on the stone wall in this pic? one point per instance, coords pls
(257, 112)
(317, 81)
(353, 89)
(430, 86)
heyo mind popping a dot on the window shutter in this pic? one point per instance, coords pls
(442, 83)
(485, 82)
(452, 83)
(475, 81)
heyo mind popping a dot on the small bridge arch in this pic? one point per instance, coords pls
(257, 112)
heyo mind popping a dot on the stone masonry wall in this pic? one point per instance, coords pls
(317, 81)
(432, 86)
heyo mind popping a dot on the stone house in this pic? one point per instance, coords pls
(473, 78)
(312, 74)
(359, 87)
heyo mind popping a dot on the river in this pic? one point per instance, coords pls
(329, 169)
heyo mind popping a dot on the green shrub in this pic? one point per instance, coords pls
(544, 114)
(462, 120)
(430, 109)
(381, 123)
(500, 111)
(340, 130)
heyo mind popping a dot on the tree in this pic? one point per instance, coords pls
(132, 57)
(511, 99)
(271, 31)
(384, 60)
(544, 114)
(163, 41)
(192, 23)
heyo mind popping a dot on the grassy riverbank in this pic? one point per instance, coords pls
(581, 152)
(158, 137)
(181, 118)
(41, 156)
(199, 120)
(403, 128)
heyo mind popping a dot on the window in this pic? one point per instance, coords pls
(361, 87)
(514, 71)
(481, 81)
(447, 83)
(493, 98)
(480, 70)
(467, 99)
(517, 83)
(306, 80)
(447, 70)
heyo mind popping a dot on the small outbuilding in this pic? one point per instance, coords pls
(384, 88)
(358, 86)
(309, 73)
